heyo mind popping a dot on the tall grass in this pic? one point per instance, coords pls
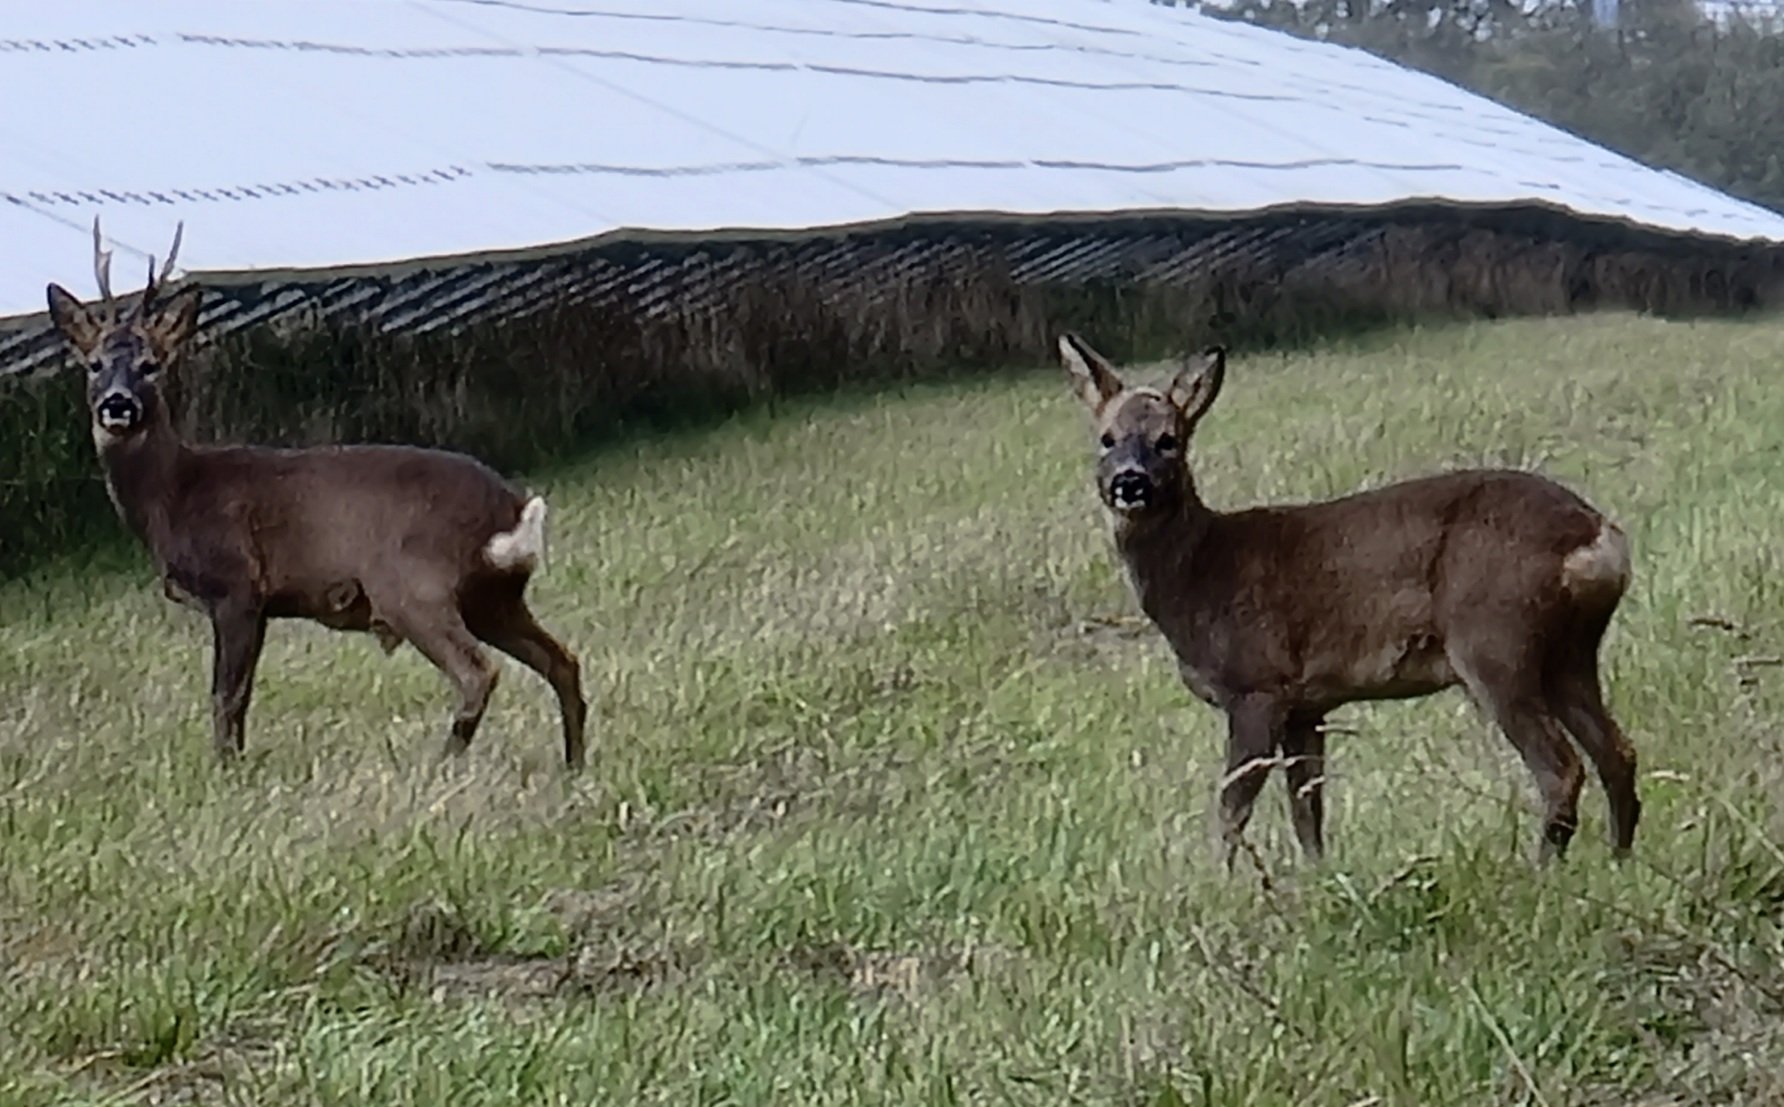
(893, 802)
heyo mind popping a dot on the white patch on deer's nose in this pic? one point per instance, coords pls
(117, 411)
(1129, 490)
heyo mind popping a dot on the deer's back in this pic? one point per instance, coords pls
(1516, 510)
(335, 513)
(1355, 597)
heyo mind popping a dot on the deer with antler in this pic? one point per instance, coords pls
(414, 545)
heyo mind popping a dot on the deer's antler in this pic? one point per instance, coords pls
(155, 282)
(173, 252)
(101, 264)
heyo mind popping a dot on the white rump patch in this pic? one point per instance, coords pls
(523, 547)
(1603, 565)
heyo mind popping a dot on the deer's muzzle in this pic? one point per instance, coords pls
(1130, 488)
(117, 411)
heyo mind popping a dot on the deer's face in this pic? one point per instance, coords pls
(122, 374)
(125, 354)
(1142, 433)
(1140, 464)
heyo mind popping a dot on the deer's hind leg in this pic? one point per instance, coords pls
(1508, 686)
(500, 617)
(1577, 699)
(439, 632)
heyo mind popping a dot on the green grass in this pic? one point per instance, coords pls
(886, 810)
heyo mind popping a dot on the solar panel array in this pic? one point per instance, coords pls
(323, 146)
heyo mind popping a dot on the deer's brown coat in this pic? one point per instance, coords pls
(1501, 581)
(418, 545)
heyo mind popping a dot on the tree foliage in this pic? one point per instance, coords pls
(1667, 85)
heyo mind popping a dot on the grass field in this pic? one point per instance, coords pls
(893, 802)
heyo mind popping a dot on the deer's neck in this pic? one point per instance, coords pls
(1159, 552)
(142, 476)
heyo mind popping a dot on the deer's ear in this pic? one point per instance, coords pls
(1096, 380)
(173, 321)
(76, 323)
(1196, 385)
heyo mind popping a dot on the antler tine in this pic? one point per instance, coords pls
(153, 288)
(101, 264)
(179, 229)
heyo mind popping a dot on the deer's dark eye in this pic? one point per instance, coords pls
(1167, 443)
(148, 368)
(1108, 441)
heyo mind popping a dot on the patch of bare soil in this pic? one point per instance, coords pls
(610, 951)
(586, 971)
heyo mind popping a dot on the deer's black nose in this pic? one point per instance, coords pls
(1130, 488)
(118, 410)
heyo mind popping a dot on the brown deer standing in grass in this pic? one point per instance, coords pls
(1498, 580)
(412, 545)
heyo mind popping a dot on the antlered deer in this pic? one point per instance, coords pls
(416, 545)
(1498, 580)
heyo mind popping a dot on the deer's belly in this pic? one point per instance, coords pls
(339, 605)
(1412, 665)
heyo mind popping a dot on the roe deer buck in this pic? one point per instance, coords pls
(416, 545)
(1499, 580)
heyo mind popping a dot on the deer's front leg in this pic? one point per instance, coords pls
(1253, 723)
(238, 627)
(1304, 766)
